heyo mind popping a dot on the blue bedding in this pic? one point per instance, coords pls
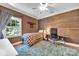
(25, 46)
(23, 50)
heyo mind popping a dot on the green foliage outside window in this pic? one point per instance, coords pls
(13, 27)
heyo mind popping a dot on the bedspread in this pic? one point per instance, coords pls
(31, 38)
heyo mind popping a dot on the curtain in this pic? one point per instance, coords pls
(4, 18)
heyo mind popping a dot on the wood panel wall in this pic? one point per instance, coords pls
(25, 26)
(66, 23)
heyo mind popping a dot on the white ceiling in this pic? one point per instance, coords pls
(28, 9)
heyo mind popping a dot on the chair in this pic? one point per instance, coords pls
(53, 35)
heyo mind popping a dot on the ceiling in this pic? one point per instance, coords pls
(31, 9)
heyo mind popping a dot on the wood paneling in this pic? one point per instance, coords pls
(66, 23)
(25, 26)
(14, 39)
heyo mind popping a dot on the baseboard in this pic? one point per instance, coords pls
(17, 43)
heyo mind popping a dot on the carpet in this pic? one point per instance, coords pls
(44, 48)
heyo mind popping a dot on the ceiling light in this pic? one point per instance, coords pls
(43, 6)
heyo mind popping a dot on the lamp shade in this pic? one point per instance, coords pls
(40, 31)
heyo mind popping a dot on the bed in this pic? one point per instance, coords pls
(31, 38)
(28, 40)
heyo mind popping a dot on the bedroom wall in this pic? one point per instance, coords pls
(66, 23)
(25, 26)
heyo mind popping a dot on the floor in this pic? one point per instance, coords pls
(45, 48)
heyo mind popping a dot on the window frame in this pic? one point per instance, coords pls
(16, 35)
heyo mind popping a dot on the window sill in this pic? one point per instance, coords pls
(14, 36)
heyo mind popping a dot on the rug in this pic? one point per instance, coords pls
(45, 48)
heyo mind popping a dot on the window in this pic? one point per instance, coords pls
(13, 28)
